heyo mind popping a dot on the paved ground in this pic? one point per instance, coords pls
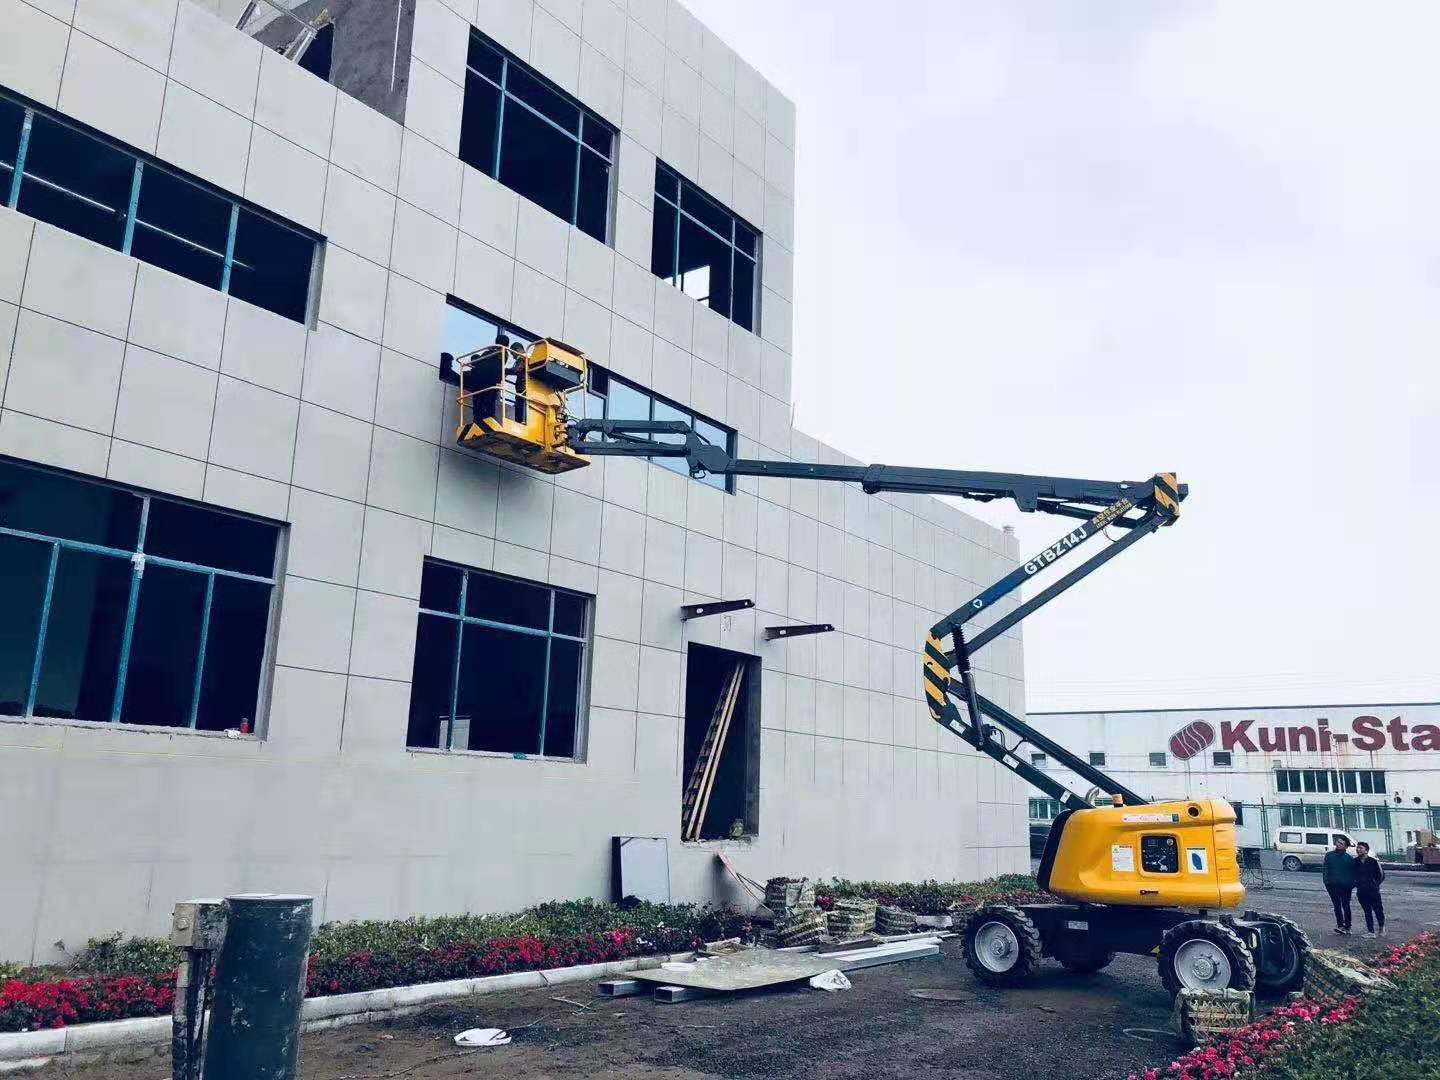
(1060, 1027)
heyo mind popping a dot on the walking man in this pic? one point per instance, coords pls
(1339, 876)
(1368, 876)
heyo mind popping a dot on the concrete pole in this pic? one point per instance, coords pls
(259, 987)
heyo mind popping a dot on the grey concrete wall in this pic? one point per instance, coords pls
(118, 369)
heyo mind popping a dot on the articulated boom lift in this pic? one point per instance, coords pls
(1123, 874)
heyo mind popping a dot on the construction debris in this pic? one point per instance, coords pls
(789, 896)
(830, 981)
(483, 1037)
(801, 929)
(1330, 973)
(1202, 1015)
(851, 918)
(893, 920)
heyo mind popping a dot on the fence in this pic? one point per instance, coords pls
(1386, 828)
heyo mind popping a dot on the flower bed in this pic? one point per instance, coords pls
(114, 979)
(1384, 1035)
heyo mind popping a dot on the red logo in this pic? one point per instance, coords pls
(1191, 739)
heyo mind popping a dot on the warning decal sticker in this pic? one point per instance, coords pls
(1122, 858)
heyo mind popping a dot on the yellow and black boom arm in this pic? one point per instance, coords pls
(1139, 507)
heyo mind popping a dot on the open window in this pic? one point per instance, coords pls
(721, 794)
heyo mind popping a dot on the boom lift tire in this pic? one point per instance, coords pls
(1002, 945)
(1202, 955)
(1297, 956)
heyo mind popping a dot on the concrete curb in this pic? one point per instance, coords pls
(86, 1043)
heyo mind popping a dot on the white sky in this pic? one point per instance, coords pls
(1104, 240)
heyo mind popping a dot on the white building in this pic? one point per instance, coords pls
(235, 534)
(1373, 770)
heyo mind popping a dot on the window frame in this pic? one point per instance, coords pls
(1097, 759)
(139, 559)
(1216, 763)
(585, 640)
(736, 221)
(587, 115)
(12, 180)
(1159, 759)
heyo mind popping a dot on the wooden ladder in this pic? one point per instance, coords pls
(702, 777)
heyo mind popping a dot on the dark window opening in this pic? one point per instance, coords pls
(1222, 758)
(499, 664)
(1097, 758)
(537, 140)
(129, 608)
(733, 809)
(84, 183)
(317, 56)
(703, 249)
(1160, 854)
(1158, 759)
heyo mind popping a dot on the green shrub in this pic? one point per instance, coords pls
(117, 954)
(929, 897)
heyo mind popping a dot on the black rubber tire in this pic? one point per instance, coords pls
(1242, 963)
(1292, 863)
(1086, 963)
(1025, 933)
(1294, 976)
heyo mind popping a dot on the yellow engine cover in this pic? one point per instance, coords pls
(1172, 854)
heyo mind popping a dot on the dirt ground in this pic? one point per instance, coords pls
(1058, 1027)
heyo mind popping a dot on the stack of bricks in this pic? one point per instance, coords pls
(1204, 1015)
(797, 922)
(852, 918)
(893, 920)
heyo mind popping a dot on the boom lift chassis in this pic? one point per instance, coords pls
(1004, 943)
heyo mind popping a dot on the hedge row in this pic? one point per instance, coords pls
(934, 897)
(115, 978)
(1388, 1035)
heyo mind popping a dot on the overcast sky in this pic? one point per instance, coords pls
(1104, 240)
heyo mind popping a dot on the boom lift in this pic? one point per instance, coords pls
(1131, 876)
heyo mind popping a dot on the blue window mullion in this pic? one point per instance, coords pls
(200, 653)
(43, 630)
(20, 153)
(575, 188)
(455, 675)
(134, 205)
(545, 688)
(230, 247)
(137, 561)
(500, 114)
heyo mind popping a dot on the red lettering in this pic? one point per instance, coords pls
(1368, 735)
(1427, 737)
(1325, 736)
(1396, 728)
(1272, 740)
(1296, 740)
(1233, 735)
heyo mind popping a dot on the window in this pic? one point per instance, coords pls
(1239, 813)
(123, 607)
(1039, 760)
(606, 397)
(1287, 780)
(1160, 854)
(703, 249)
(1372, 781)
(1097, 758)
(1221, 759)
(537, 140)
(1158, 760)
(499, 664)
(1289, 838)
(53, 170)
(1044, 809)
(1317, 838)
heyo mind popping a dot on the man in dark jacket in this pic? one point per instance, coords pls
(1368, 876)
(1339, 876)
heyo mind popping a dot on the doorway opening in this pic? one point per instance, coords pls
(720, 797)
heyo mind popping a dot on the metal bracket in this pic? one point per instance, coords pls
(773, 632)
(718, 607)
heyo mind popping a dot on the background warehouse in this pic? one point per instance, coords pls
(241, 657)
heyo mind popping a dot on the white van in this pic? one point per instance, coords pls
(1300, 848)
